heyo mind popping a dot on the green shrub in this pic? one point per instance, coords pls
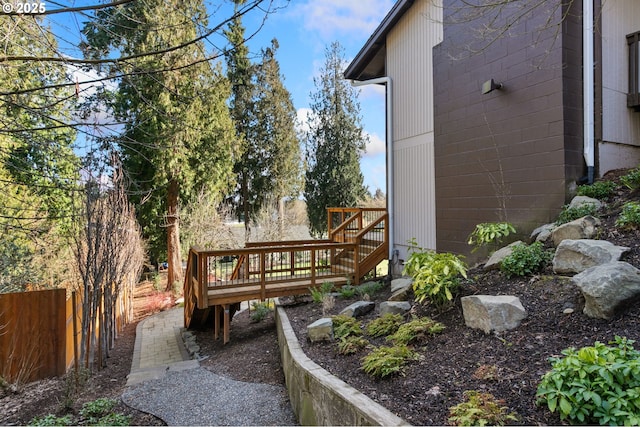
(569, 214)
(345, 326)
(525, 260)
(369, 288)
(318, 293)
(384, 361)
(384, 325)
(260, 311)
(416, 330)
(598, 190)
(489, 233)
(594, 385)
(351, 344)
(632, 179)
(480, 409)
(116, 419)
(629, 216)
(51, 420)
(97, 408)
(347, 291)
(436, 276)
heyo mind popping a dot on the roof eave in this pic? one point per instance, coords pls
(358, 67)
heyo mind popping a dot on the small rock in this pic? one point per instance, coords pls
(575, 256)
(492, 313)
(579, 201)
(568, 310)
(582, 228)
(320, 330)
(359, 308)
(394, 307)
(496, 258)
(401, 283)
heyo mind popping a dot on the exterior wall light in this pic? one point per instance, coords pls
(490, 86)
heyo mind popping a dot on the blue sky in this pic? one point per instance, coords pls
(303, 29)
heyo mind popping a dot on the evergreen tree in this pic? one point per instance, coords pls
(334, 143)
(280, 171)
(38, 168)
(240, 75)
(178, 136)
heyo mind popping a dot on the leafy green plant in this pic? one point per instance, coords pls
(260, 311)
(369, 288)
(436, 276)
(525, 260)
(351, 345)
(595, 384)
(51, 420)
(568, 214)
(115, 419)
(347, 291)
(598, 190)
(97, 408)
(416, 330)
(629, 216)
(384, 361)
(345, 326)
(632, 179)
(480, 409)
(489, 233)
(384, 325)
(318, 293)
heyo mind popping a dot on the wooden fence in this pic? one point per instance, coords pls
(40, 332)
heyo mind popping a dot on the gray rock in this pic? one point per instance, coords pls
(394, 307)
(358, 308)
(497, 257)
(401, 283)
(320, 330)
(401, 295)
(608, 288)
(542, 233)
(492, 313)
(581, 228)
(575, 256)
(580, 201)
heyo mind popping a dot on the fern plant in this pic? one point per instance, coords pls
(416, 330)
(384, 325)
(480, 409)
(345, 326)
(385, 361)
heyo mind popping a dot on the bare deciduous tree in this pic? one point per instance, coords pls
(110, 255)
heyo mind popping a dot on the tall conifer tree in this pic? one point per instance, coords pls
(178, 136)
(334, 143)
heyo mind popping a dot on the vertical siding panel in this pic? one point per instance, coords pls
(410, 66)
(620, 124)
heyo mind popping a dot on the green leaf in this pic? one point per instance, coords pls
(565, 406)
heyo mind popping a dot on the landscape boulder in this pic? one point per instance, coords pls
(401, 289)
(496, 258)
(575, 256)
(394, 307)
(492, 313)
(581, 228)
(320, 330)
(358, 308)
(609, 288)
(402, 283)
(580, 201)
(542, 233)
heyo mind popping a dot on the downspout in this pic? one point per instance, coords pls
(389, 131)
(588, 87)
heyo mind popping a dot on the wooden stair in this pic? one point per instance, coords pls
(214, 286)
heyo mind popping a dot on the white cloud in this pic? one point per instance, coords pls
(375, 146)
(302, 120)
(331, 18)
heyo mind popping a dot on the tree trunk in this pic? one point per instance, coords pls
(174, 273)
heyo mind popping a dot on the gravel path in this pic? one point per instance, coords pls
(199, 397)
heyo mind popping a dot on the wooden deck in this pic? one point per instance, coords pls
(219, 279)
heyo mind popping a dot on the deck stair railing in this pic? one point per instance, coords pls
(216, 279)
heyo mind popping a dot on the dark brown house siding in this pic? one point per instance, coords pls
(519, 147)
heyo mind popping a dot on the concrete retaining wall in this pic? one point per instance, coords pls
(319, 398)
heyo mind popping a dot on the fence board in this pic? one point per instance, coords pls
(32, 340)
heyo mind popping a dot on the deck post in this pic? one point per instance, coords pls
(225, 326)
(263, 276)
(313, 267)
(216, 322)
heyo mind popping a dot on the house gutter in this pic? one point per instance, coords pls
(588, 87)
(389, 136)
